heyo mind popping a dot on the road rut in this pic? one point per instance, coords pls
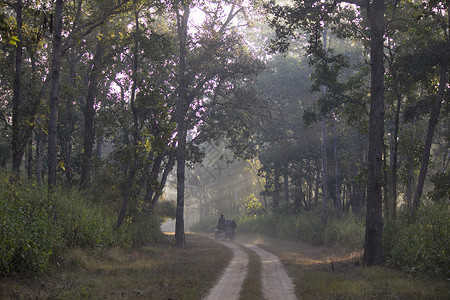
(276, 284)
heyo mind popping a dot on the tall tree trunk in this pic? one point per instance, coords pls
(385, 184)
(73, 61)
(54, 95)
(394, 159)
(374, 221)
(30, 158)
(40, 140)
(432, 123)
(336, 170)
(182, 107)
(409, 182)
(89, 115)
(131, 175)
(324, 170)
(169, 166)
(286, 183)
(276, 186)
(17, 148)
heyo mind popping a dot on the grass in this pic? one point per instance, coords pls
(252, 288)
(337, 273)
(157, 271)
(162, 271)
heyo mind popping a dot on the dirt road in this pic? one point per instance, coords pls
(275, 282)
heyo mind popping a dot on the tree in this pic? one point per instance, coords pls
(300, 15)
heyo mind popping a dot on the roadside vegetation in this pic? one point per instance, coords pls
(36, 230)
(418, 244)
(321, 272)
(155, 271)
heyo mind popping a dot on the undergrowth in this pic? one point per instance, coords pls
(36, 227)
(420, 243)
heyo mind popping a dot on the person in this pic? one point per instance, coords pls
(221, 222)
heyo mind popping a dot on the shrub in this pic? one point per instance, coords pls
(145, 229)
(420, 243)
(26, 230)
(207, 224)
(35, 227)
(307, 227)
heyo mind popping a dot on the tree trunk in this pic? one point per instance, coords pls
(30, 158)
(374, 222)
(336, 170)
(130, 178)
(324, 170)
(182, 108)
(385, 184)
(394, 159)
(276, 186)
(169, 166)
(17, 148)
(432, 123)
(54, 95)
(70, 122)
(409, 182)
(40, 140)
(286, 183)
(89, 115)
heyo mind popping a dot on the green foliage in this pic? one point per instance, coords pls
(207, 224)
(307, 227)
(419, 243)
(26, 228)
(441, 181)
(145, 228)
(166, 209)
(252, 206)
(34, 227)
(347, 231)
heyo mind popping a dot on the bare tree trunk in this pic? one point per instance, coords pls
(432, 123)
(17, 148)
(131, 175)
(324, 170)
(73, 61)
(394, 159)
(89, 115)
(169, 166)
(40, 140)
(336, 170)
(30, 158)
(286, 183)
(54, 95)
(374, 221)
(409, 183)
(182, 107)
(385, 184)
(276, 186)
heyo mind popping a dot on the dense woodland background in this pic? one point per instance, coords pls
(325, 121)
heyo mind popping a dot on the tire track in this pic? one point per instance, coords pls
(277, 285)
(230, 284)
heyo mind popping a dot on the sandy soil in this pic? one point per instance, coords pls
(230, 284)
(277, 285)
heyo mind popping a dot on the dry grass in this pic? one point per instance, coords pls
(159, 271)
(335, 273)
(251, 288)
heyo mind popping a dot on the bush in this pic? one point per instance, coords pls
(307, 227)
(34, 227)
(207, 224)
(421, 243)
(26, 228)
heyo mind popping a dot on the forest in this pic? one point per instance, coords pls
(321, 121)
